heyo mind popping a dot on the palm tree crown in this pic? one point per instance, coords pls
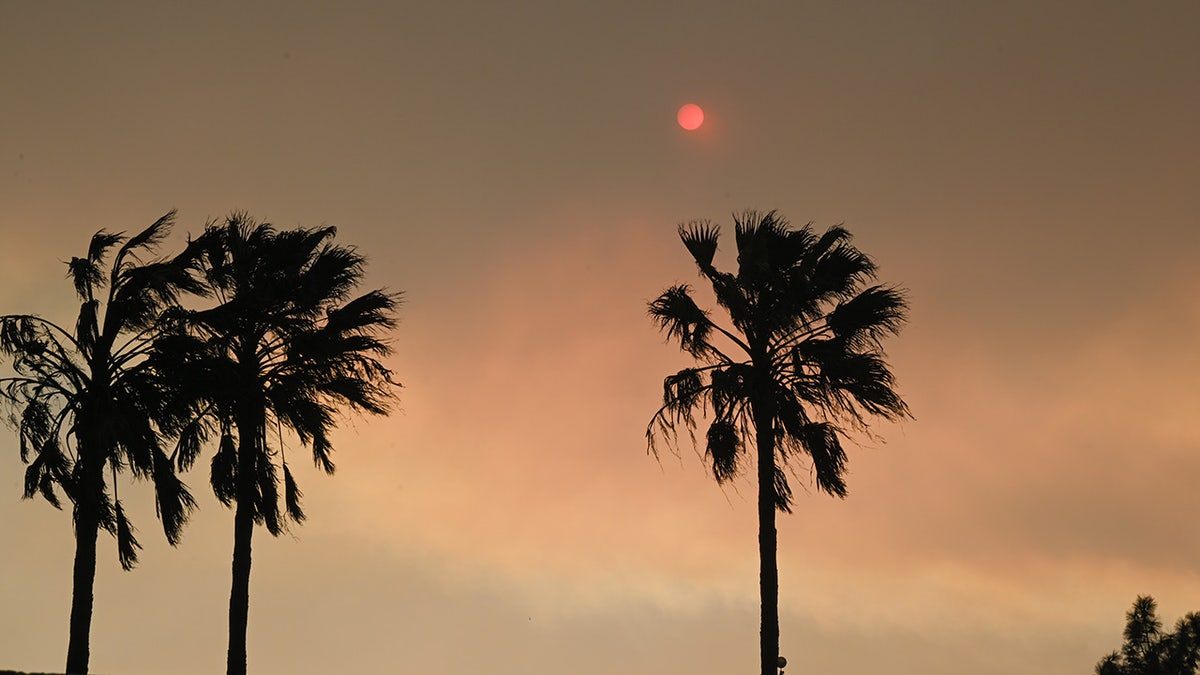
(804, 349)
(286, 347)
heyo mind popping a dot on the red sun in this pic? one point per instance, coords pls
(690, 117)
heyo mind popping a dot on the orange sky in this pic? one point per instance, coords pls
(1028, 173)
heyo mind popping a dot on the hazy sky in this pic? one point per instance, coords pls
(1031, 173)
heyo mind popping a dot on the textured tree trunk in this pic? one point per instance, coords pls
(768, 568)
(239, 594)
(249, 417)
(83, 581)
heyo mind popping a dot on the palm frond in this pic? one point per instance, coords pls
(302, 411)
(321, 451)
(724, 449)
(35, 427)
(835, 274)
(291, 496)
(869, 381)
(127, 543)
(836, 237)
(821, 443)
(763, 246)
(738, 302)
(150, 237)
(872, 314)
(43, 473)
(330, 275)
(368, 312)
(266, 485)
(781, 491)
(678, 314)
(86, 276)
(224, 470)
(731, 388)
(189, 439)
(173, 502)
(746, 228)
(87, 330)
(700, 238)
(101, 242)
(684, 395)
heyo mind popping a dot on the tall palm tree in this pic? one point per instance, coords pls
(286, 347)
(799, 365)
(86, 404)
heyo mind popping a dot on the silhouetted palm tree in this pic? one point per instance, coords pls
(799, 365)
(286, 347)
(85, 403)
(1150, 651)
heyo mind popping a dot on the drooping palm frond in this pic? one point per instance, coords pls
(292, 496)
(846, 383)
(172, 500)
(127, 543)
(224, 469)
(48, 469)
(685, 394)
(724, 449)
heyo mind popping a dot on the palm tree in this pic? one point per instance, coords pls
(798, 367)
(86, 404)
(286, 347)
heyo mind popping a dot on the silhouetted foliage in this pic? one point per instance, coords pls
(86, 403)
(1150, 651)
(286, 347)
(799, 365)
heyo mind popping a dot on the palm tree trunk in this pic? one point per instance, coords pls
(83, 581)
(768, 568)
(249, 425)
(239, 595)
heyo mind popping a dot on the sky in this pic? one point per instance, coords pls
(1027, 170)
